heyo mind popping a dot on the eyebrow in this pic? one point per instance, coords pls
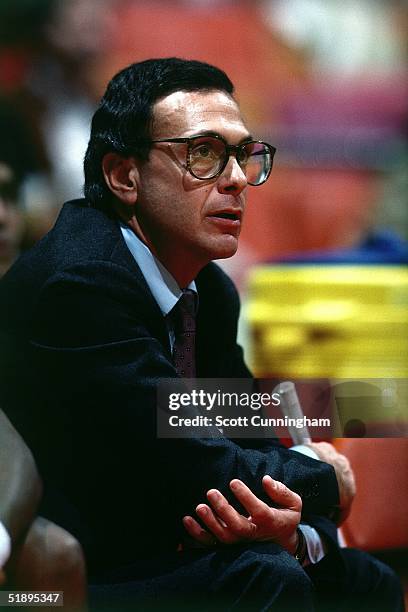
(213, 133)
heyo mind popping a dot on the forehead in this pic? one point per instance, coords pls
(184, 113)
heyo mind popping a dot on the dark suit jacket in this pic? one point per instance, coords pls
(83, 346)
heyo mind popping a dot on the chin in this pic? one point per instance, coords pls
(224, 248)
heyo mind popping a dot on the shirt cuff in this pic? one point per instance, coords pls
(305, 450)
(5, 545)
(314, 544)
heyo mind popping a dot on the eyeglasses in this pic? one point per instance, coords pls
(207, 157)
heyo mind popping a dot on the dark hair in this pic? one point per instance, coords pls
(122, 122)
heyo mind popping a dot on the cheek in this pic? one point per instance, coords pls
(174, 203)
(184, 216)
(14, 226)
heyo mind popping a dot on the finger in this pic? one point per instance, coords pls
(344, 464)
(229, 517)
(252, 504)
(199, 534)
(326, 447)
(281, 494)
(210, 520)
(325, 451)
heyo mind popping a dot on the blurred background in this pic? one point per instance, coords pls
(326, 82)
(323, 80)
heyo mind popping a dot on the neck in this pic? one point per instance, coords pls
(182, 276)
(183, 267)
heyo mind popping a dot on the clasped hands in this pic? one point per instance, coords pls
(266, 523)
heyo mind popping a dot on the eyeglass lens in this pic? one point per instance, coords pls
(207, 156)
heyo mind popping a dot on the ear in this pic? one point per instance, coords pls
(121, 176)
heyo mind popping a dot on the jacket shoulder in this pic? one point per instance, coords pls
(219, 303)
(214, 280)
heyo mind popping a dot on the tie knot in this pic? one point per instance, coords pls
(188, 301)
(185, 312)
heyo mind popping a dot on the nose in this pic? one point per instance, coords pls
(232, 180)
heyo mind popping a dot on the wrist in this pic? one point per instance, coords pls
(292, 543)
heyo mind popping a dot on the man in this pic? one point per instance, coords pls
(34, 552)
(93, 324)
(19, 490)
(20, 486)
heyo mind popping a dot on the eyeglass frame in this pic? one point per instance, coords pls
(229, 149)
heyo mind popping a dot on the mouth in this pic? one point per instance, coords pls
(229, 215)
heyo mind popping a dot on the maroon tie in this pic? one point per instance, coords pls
(183, 315)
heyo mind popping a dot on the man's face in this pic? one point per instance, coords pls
(181, 218)
(10, 220)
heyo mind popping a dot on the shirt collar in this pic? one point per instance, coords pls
(161, 283)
